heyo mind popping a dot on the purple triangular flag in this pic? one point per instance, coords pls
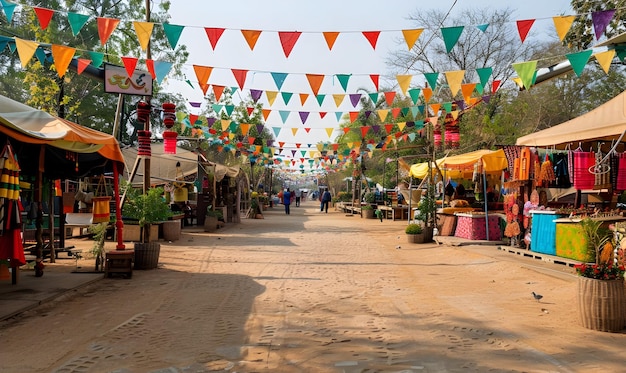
(460, 104)
(486, 99)
(601, 20)
(375, 128)
(355, 98)
(256, 94)
(367, 114)
(303, 116)
(293, 153)
(195, 104)
(210, 121)
(270, 142)
(410, 124)
(259, 128)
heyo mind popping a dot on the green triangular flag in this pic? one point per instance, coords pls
(404, 111)
(172, 32)
(343, 80)
(276, 131)
(421, 109)
(229, 109)
(232, 127)
(484, 73)
(9, 9)
(431, 78)
(525, 71)
(284, 114)
(450, 36)
(447, 106)
(286, 97)
(96, 58)
(483, 27)
(320, 99)
(479, 89)
(415, 94)
(373, 97)
(217, 108)
(579, 60)
(77, 21)
(414, 111)
(41, 55)
(338, 115)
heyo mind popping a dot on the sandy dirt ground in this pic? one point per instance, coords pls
(315, 292)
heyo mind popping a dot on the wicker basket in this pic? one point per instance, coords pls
(601, 304)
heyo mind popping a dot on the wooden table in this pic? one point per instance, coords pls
(119, 261)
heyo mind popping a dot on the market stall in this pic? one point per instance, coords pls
(48, 148)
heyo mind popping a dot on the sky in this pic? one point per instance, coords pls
(351, 54)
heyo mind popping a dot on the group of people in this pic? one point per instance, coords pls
(288, 197)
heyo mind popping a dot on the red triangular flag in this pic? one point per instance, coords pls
(193, 118)
(150, 66)
(214, 34)
(372, 37)
(353, 116)
(240, 76)
(250, 110)
(395, 112)
(307, 129)
(217, 91)
(375, 78)
(364, 130)
(495, 85)
(388, 128)
(82, 65)
(389, 96)
(322, 114)
(288, 40)
(130, 63)
(523, 27)
(346, 129)
(106, 26)
(44, 16)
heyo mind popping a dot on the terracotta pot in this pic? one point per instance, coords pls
(601, 304)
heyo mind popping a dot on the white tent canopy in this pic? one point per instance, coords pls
(604, 123)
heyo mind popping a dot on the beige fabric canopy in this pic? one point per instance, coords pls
(604, 123)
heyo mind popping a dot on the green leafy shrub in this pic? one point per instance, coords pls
(413, 229)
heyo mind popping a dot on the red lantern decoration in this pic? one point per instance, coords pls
(169, 142)
(143, 112)
(143, 137)
(169, 115)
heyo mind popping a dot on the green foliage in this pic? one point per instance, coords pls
(597, 236)
(146, 208)
(99, 234)
(215, 213)
(427, 207)
(369, 197)
(581, 34)
(366, 207)
(413, 228)
(343, 197)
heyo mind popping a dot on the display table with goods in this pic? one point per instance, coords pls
(543, 231)
(474, 226)
(570, 241)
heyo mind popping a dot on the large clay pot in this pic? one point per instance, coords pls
(147, 255)
(601, 304)
(368, 213)
(415, 238)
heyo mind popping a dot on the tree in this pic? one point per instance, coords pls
(581, 35)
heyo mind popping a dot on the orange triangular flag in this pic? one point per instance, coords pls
(217, 91)
(240, 76)
(411, 36)
(143, 31)
(562, 24)
(62, 57)
(372, 37)
(251, 37)
(106, 26)
(130, 63)
(353, 116)
(338, 98)
(251, 140)
(604, 59)
(303, 98)
(395, 112)
(150, 66)
(364, 130)
(315, 81)
(523, 27)
(427, 92)
(202, 73)
(245, 127)
(389, 96)
(375, 78)
(346, 129)
(44, 16)
(266, 113)
(204, 88)
(214, 34)
(435, 109)
(82, 65)
(466, 90)
(330, 37)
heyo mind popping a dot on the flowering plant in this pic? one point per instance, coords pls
(603, 246)
(600, 271)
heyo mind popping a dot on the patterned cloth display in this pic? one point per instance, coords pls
(473, 227)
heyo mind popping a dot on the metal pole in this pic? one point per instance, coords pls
(485, 198)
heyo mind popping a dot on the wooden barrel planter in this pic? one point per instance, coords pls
(601, 304)
(147, 255)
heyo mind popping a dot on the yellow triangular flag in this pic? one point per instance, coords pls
(455, 114)
(411, 36)
(245, 127)
(455, 78)
(329, 131)
(338, 98)
(225, 124)
(231, 136)
(604, 59)
(143, 31)
(518, 81)
(294, 130)
(401, 125)
(467, 90)
(562, 25)
(271, 96)
(404, 81)
(382, 114)
(62, 57)
(350, 145)
(25, 49)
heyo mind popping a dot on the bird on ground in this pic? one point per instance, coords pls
(537, 296)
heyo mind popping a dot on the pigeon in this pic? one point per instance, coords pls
(398, 247)
(537, 296)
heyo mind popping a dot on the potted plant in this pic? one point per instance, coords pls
(601, 293)
(426, 212)
(147, 209)
(414, 233)
(367, 211)
(212, 219)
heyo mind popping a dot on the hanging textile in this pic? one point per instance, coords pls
(583, 161)
(101, 203)
(614, 164)
(621, 173)
(561, 171)
(11, 246)
(546, 174)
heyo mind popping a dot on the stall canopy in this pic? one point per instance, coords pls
(164, 169)
(493, 161)
(71, 150)
(604, 123)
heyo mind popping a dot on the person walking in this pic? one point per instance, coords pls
(325, 201)
(298, 197)
(287, 200)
